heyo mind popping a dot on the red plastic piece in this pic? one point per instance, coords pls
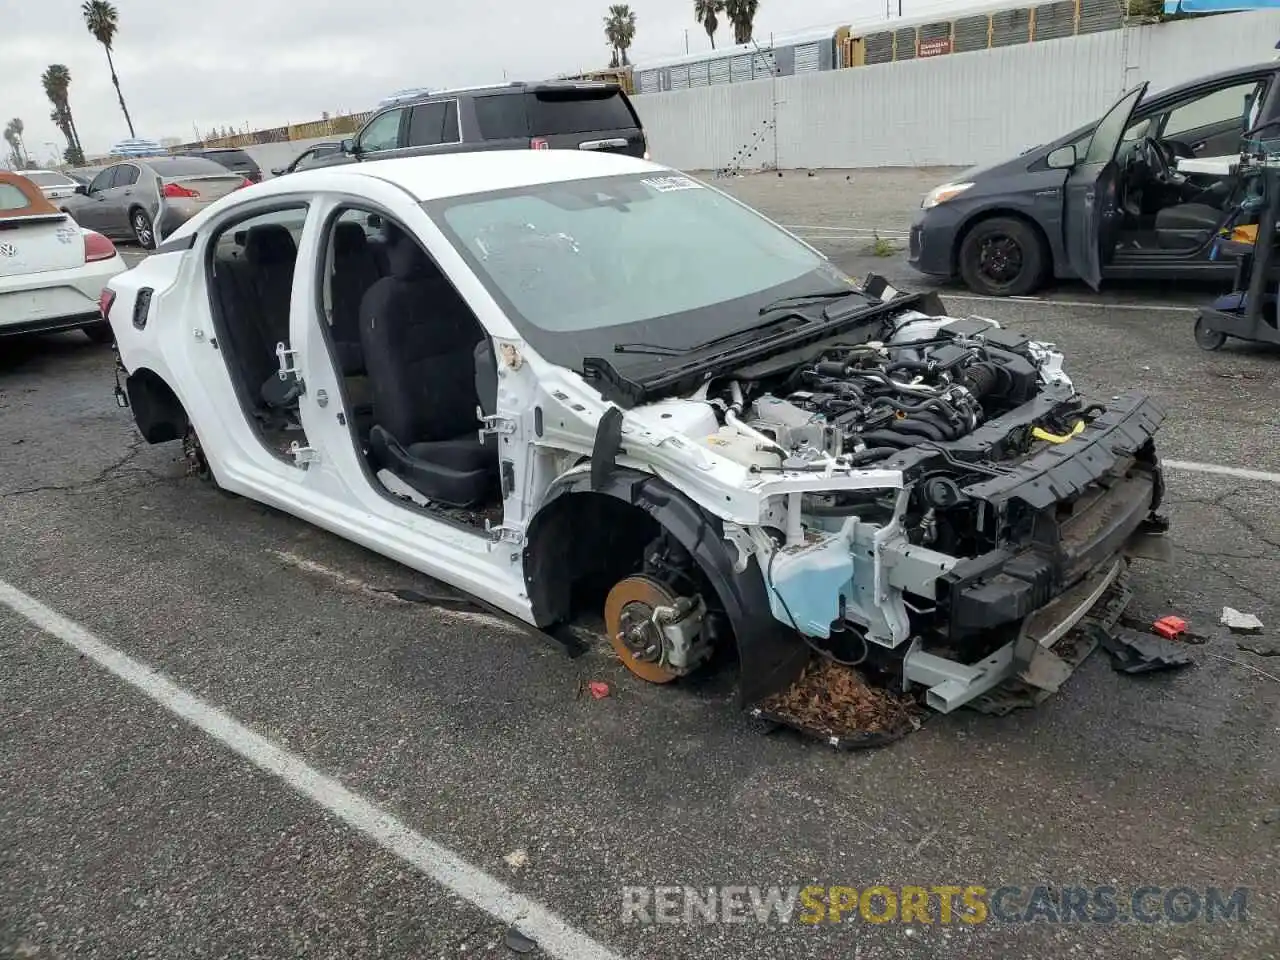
(599, 689)
(1170, 627)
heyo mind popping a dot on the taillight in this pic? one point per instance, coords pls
(246, 182)
(537, 143)
(105, 300)
(178, 191)
(97, 247)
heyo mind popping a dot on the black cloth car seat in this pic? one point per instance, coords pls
(420, 345)
(355, 270)
(1187, 225)
(269, 257)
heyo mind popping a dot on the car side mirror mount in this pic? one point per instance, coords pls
(277, 171)
(349, 146)
(1064, 158)
(82, 189)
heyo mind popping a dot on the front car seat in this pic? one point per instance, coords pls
(355, 270)
(1187, 226)
(419, 341)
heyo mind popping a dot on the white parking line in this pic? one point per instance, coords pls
(1091, 304)
(1218, 470)
(863, 231)
(555, 936)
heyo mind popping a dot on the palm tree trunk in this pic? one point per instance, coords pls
(75, 134)
(116, 80)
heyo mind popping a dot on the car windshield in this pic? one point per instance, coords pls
(49, 179)
(655, 258)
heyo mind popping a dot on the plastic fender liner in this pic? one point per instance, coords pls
(157, 411)
(770, 658)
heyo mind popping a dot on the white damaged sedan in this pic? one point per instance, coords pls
(53, 273)
(587, 386)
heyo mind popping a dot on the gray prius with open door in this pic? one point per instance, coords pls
(1092, 206)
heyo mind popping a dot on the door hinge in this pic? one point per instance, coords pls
(286, 359)
(303, 456)
(503, 534)
(495, 424)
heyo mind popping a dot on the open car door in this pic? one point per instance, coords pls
(1091, 203)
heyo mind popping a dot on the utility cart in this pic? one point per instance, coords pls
(1249, 311)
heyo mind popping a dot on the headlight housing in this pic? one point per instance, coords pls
(948, 191)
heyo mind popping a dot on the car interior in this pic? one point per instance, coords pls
(417, 367)
(1163, 208)
(251, 282)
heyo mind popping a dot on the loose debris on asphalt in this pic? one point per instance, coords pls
(1238, 622)
(835, 702)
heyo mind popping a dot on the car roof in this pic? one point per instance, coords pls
(458, 174)
(515, 86)
(1257, 68)
(36, 205)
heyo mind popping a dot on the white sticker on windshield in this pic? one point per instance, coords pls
(667, 184)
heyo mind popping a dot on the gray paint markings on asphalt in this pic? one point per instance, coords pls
(356, 585)
(555, 936)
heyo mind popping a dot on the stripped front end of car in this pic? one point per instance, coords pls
(926, 497)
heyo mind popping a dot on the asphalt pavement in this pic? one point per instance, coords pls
(128, 830)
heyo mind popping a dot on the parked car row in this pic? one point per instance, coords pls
(144, 200)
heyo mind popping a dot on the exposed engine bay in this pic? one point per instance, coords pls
(863, 403)
(964, 507)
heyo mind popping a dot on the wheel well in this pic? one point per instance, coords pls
(581, 544)
(156, 408)
(1004, 214)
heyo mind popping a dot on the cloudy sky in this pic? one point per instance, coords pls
(193, 65)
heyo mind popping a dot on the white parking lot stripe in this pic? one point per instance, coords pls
(1217, 469)
(1091, 304)
(556, 937)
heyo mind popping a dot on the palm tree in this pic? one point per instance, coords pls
(706, 12)
(103, 22)
(13, 136)
(620, 30)
(57, 87)
(742, 14)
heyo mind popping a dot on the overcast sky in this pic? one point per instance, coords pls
(269, 62)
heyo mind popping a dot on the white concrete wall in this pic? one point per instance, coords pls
(946, 111)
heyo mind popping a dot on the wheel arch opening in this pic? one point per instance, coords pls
(1001, 213)
(585, 540)
(157, 411)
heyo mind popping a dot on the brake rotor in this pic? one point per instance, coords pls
(628, 616)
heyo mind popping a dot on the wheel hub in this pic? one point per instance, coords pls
(637, 640)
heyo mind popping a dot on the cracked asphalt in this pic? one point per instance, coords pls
(126, 833)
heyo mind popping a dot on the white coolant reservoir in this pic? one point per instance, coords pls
(728, 442)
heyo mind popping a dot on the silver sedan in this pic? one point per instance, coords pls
(147, 199)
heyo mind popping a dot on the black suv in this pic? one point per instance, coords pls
(230, 157)
(514, 116)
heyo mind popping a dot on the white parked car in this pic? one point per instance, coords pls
(579, 385)
(53, 273)
(52, 184)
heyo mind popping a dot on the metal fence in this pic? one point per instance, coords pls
(331, 127)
